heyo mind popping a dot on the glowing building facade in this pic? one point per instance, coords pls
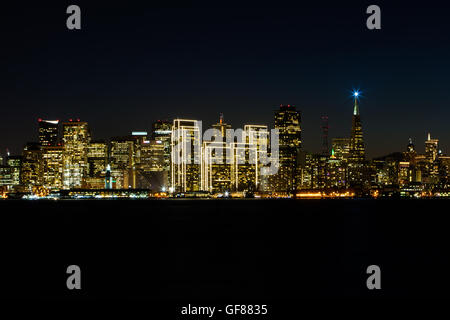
(15, 163)
(76, 138)
(186, 142)
(357, 148)
(97, 160)
(152, 172)
(288, 124)
(122, 160)
(245, 167)
(162, 131)
(431, 148)
(32, 166)
(217, 166)
(52, 169)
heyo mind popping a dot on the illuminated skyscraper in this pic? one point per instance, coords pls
(288, 122)
(337, 172)
(431, 148)
(314, 173)
(97, 155)
(186, 155)
(258, 136)
(15, 163)
(245, 169)
(431, 166)
(162, 131)
(358, 171)
(48, 132)
(97, 159)
(52, 167)
(217, 166)
(123, 160)
(357, 149)
(152, 167)
(76, 138)
(32, 166)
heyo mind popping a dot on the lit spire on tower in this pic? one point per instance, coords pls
(356, 107)
(357, 149)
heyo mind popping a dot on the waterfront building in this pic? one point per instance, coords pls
(186, 142)
(288, 124)
(76, 138)
(52, 167)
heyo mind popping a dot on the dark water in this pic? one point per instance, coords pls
(217, 250)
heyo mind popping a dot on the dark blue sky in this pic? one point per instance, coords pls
(132, 64)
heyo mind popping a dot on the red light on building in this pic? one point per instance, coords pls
(39, 119)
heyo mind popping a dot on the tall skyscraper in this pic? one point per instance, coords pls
(15, 163)
(358, 170)
(162, 131)
(338, 163)
(431, 148)
(186, 155)
(152, 167)
(288, 122)
(52, 167)
(216, 168)
(48, 132)
(97, 160)
(123, 161)
(32, 166)
(245, 167)
(357, 149)
(258, 136)
(76, 138)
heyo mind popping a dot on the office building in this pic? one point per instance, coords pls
(32, 166)
(52, 167)
(186, 143)
(288, 124)
(76, 138)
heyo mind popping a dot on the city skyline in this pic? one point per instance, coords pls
(17, 149)
(181, 157)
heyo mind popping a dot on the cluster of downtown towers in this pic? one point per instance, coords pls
(67, 158)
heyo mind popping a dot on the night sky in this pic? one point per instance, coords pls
(133, 64)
